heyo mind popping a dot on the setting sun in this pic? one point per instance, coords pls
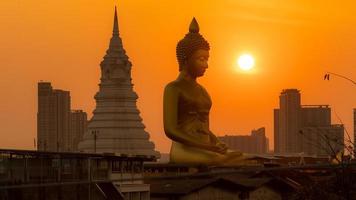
(246, 62)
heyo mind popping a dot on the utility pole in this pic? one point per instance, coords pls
(95, 132)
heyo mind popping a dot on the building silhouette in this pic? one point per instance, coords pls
(305, 128)
(53, 118)
(354, 132)
(58, 128)
(256, 143)
(78, 126)
(27, 175)
(116, 126)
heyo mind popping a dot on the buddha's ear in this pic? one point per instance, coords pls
(184, 65)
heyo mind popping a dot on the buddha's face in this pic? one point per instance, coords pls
(197, 63)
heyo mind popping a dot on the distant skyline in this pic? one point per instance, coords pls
(294, 44)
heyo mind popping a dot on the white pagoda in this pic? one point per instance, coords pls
(116, 125)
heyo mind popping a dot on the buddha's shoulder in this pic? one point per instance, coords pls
(182, 85)
(174, 85)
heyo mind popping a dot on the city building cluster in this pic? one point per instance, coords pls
(59, 129)
(305, 129)
(256, 143)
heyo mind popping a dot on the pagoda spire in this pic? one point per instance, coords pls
(115, 31)
(115, 41)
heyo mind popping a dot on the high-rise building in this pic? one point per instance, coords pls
(53, 118)
(116, 126)
(78, 126)
(288, 118)
(305, 128)
(354, 132)
(277, 137)
(256, 143)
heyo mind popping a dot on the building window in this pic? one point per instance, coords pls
(116, 166)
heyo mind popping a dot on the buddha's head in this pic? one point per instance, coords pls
(193, 52)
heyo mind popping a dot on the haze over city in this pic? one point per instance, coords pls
(293, 45)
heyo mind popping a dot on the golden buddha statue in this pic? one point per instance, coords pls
(186, 107)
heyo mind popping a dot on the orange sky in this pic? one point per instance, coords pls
(294, 44)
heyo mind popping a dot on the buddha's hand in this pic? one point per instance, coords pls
(223, 147)
(220, 144)
(220, 148)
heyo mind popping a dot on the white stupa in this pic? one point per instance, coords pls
(116, 125)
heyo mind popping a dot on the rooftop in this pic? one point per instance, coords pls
(17, 152)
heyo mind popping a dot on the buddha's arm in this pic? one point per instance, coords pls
(216, 141)
(170, 120)
(212, 136)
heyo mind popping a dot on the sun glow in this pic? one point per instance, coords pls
(246, 62)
